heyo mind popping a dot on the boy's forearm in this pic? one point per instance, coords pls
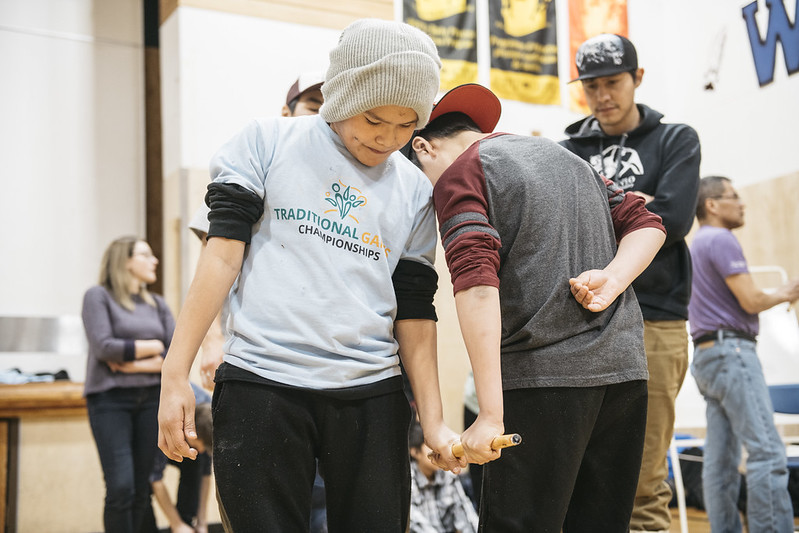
(418, 350)
(202, 508)
(481, 326)
(165, 503)
(636, 250)
(219, 265)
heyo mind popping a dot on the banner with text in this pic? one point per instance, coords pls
(452, 26)
(524, 50)
(588, 18)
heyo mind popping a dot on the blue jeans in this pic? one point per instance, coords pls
(125, 427)
(739, 412)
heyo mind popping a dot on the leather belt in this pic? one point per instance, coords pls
(725, 334)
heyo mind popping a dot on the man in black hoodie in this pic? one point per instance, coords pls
(627, 143)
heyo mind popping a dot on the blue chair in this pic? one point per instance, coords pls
(785, 398)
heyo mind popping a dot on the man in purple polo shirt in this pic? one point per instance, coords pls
(723, 317)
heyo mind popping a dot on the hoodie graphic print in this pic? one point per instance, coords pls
(662, 161)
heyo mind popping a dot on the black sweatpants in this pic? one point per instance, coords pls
(577, 466)
(266, 440)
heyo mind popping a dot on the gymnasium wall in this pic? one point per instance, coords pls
(72, 139)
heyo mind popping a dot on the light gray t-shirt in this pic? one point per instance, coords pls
(314, 306)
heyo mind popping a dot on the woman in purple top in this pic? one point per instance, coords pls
(128, 330)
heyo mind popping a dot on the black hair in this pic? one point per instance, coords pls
(415, 436)
(445, 126)
(291, 105)
(448, 125)
(709, 187)
(203, 422)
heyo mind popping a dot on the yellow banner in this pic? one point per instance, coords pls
(524, 50)
(524, 87)
(452, 26)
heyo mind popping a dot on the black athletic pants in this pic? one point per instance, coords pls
(577, 466)
(266, 440)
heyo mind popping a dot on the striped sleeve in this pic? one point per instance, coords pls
(471, 244)
(628, 211)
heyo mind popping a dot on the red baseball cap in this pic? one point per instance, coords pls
(474, 101)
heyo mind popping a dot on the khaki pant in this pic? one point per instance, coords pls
(666, 343)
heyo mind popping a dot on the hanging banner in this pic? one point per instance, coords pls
(452, 26)
(524, 50)
(588, 18)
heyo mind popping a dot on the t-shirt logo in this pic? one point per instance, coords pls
(331, 225)
(625, 161)
(344, 198)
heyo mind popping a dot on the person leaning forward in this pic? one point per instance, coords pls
(551, 326)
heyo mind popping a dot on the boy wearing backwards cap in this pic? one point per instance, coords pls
(628, 144)
(552, 328)
(332, 237)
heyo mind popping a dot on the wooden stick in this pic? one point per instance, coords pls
(502, 441)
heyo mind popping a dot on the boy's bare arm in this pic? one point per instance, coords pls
(176, 524)
(219, 265)
(595, 290)
(417, 340)
(212, 345)
(202, 508)
(212, 352)
(481, 326)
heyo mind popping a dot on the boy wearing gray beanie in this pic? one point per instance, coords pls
(329, 236)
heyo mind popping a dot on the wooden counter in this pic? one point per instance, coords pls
(42, 399)
(58, 398)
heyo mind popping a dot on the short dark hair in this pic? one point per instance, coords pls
(415, 436)
(709, 187)
(203, 421)
(447, 125)
(633, 73)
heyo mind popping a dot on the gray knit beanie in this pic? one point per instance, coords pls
(378, 63)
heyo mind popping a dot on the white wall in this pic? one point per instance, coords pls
(71, 142)
(220, 70)
(746, 131)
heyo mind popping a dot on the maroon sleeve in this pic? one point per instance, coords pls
(629, 212)
(471, 244)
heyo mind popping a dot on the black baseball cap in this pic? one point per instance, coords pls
(605, 55)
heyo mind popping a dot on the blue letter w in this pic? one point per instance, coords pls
(779, 28)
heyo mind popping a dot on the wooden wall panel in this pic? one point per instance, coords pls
(770, 235)
(324, 13)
